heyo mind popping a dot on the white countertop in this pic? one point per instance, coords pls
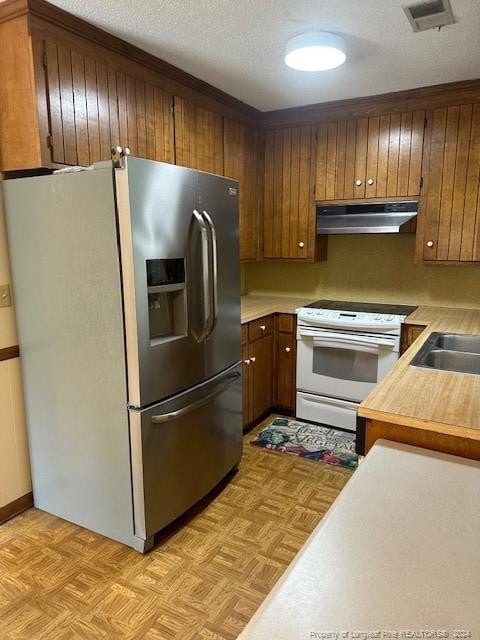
(398, 550)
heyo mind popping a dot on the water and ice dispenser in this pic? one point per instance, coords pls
(167, 300)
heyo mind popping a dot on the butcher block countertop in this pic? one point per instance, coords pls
(254, 307)
(438, 401)
(396, 556)
(441, 401)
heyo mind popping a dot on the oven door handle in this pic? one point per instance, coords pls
(344, 344)
(351, 341)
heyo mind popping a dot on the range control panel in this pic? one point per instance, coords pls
(348, 319)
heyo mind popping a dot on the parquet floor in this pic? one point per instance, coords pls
(204, 582)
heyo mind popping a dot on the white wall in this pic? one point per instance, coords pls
(14, 463)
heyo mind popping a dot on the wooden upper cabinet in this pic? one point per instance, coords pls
(289, 213)
(376, 157)
(241, 163)
(23, 142)
(198, 137)
(93, 107)
(145, 119)
(451, 212)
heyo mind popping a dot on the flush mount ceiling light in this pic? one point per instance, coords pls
(317, 51)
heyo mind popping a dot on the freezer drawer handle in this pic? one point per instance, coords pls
(167, 417)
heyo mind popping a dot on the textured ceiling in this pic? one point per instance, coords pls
(237, 45)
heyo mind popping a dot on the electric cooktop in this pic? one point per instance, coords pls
(363, 307)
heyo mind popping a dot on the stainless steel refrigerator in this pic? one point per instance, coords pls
(127, 293)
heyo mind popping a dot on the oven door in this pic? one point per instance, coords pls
(341, 364)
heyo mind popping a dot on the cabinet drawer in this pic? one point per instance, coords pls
(261, 327)
(286, 322)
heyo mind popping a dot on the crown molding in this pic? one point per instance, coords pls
(440, 95)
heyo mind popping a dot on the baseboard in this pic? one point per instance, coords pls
(8, 353)
(17, 506)
(284, 411)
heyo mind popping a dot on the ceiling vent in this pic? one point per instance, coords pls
(431, 14)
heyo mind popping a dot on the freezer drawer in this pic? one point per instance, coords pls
(331, 411)
(182, 448)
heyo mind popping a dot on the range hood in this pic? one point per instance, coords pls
(374, 217)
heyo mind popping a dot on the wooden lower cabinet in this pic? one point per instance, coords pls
(257, 356)
(262, 375)
(247, 384)
(269, 365)
(424, 435)
(410, 332)
(285, 363)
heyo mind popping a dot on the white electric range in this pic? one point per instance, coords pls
(343, 350)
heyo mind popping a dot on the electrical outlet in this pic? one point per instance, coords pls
(5, 298)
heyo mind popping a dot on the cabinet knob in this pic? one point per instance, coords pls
(247, 361)
(287, 349)
(358, 183)
(370, 181)
(301, 245)
(120, 151)
(263, 327)
(430, 243)
(252, 359)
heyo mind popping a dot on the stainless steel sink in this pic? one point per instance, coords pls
(455, 352)
(453, 361)
(459, 342)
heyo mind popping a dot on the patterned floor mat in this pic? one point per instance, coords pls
(320, 443)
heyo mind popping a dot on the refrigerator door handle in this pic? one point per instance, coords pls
(173, 415)
(205, 276)
(214, 272)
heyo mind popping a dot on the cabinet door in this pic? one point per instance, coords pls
(241, 163)
(145, 119)
(409, 333)
(451, 225)
(289, 230)
(93, 107)
(198, 137)
(285, 371)
(261, 358)
(375, 157)
(247, 385)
